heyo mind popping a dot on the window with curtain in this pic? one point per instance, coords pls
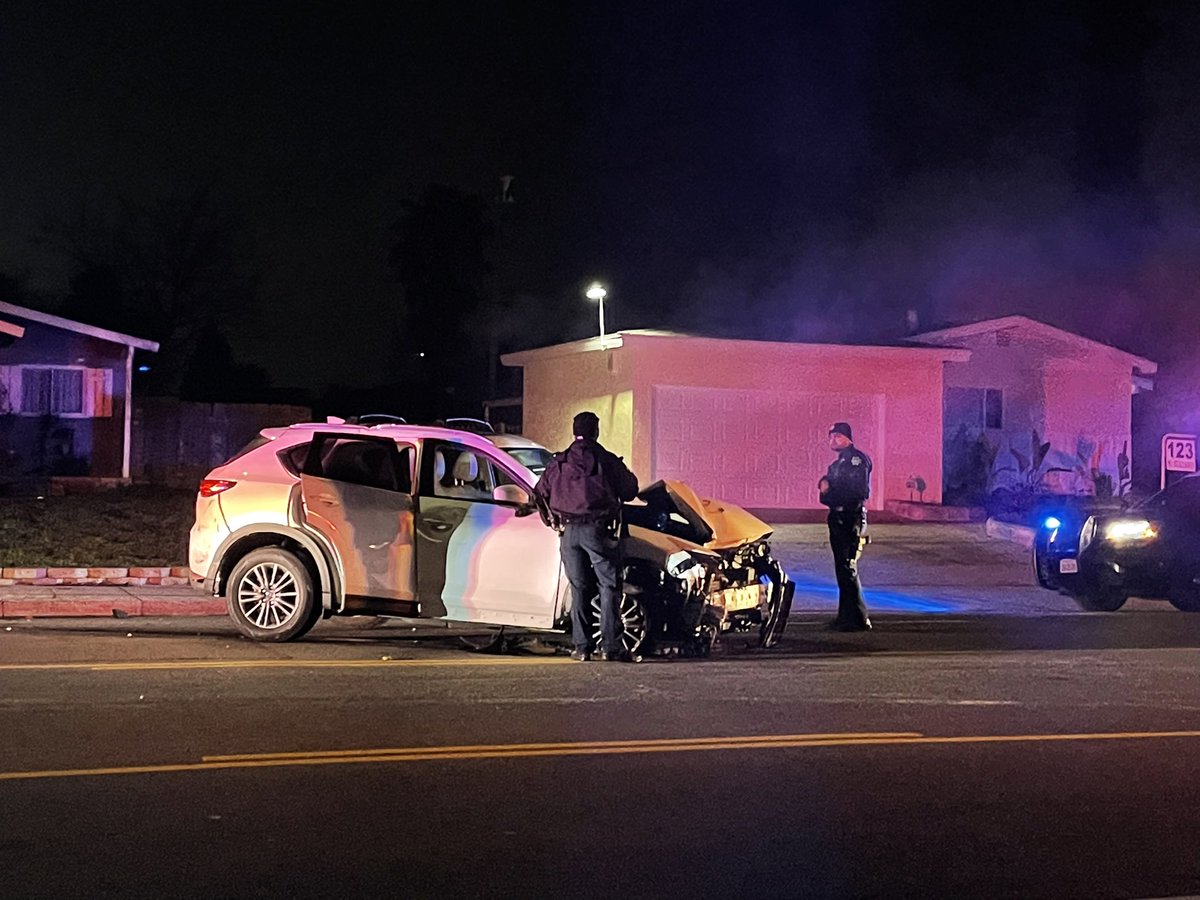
(52, 391)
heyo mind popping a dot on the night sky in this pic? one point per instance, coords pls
(790, 171)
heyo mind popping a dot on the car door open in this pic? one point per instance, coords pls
(482, 556)
(357, 494)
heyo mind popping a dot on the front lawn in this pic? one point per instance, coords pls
(137, 526)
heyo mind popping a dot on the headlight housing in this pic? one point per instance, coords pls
(691, 568)
(1088, 533)
(1125, 531)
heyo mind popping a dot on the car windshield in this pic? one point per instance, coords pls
(535, 459)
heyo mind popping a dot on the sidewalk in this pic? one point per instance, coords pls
(29, 601)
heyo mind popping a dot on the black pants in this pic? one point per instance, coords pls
(845, 539)
(592, 559)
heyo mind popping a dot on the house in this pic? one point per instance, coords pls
(1022, 377)
(65, 390)
(747, 421)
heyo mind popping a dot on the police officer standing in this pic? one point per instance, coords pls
(580, 495)
(844, 489)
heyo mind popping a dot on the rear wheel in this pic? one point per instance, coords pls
(1185, 594)
(271, 597)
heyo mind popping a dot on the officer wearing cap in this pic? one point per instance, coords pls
(845, 489)
(580, 495)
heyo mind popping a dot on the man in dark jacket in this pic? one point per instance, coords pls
(845, 489)
(581, 493)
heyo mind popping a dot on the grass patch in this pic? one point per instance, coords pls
(136, 526)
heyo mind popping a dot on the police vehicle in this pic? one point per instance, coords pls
(1150, 550)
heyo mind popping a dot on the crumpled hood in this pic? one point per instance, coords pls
(717, 525)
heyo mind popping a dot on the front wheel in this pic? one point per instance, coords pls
(271, 597)
(1099, 598)
(635, 624)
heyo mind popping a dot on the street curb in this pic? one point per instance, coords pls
(1006, 531)
(73, 607)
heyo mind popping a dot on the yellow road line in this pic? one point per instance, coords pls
(746, 740)
(288, 664)
(511, 751)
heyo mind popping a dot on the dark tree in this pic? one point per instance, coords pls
(164, 271)
(441, 260)
(215, 376)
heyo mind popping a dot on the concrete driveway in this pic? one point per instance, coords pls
(926, 568)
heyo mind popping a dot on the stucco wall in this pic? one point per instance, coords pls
(558, 387)
(1017, 371)
(1088, 407)
(1075, 401)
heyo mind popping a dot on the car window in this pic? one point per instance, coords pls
(255, 442)
(293, 457)
(535, 459)
(370, 463)
(456, 472)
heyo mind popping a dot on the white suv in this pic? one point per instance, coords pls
(316, 520)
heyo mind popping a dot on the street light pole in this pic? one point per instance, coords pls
(597, 292)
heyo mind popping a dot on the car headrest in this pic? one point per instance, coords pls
(439, 467)
(466, 467)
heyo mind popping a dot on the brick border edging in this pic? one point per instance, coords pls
(111, 576)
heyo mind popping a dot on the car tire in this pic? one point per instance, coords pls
(635, 623)
(1099, 598)
(271, 597)
(1185, 594)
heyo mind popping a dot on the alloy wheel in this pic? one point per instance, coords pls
(268, 595)
(633, 623)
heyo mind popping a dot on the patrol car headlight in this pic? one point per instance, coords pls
(1124, 531)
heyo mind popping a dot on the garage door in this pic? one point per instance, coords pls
(761, 449)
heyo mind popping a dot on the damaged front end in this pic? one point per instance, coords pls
(702, 568)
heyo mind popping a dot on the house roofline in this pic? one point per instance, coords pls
(618, 340)
(102, 334)
(958, 332)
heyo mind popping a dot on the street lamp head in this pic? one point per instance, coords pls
(596, 291)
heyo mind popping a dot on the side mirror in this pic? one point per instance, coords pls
(511, 493)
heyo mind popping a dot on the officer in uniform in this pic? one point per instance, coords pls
(580, 496)
(844, 489)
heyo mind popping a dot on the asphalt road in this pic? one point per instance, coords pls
(952, 752)
(936, 756)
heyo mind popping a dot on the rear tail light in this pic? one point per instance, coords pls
(210, 487)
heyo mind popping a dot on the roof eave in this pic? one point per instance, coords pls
(103, 334)
(617, 341)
